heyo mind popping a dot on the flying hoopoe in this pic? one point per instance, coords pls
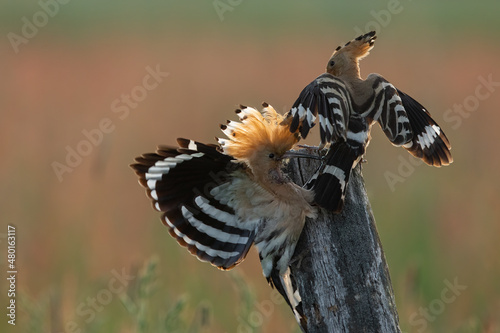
(347, 106)
(218, 200)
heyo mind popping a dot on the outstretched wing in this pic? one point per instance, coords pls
(429, 141)
(326, 98)
(386, 108)
(407, 123)
(181, 182)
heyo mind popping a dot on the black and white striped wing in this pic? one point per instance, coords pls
(429, 141)
(180, 182)
(326, 99)
(386, 108)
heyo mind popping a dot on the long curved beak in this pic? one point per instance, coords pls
(296, 154)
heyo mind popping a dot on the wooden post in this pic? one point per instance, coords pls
(339, 268)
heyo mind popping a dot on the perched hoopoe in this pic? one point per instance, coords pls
(219, 200)
(347, 106)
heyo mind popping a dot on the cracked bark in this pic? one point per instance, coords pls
(339, 266)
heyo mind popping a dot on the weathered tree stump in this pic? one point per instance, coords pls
(339, 267)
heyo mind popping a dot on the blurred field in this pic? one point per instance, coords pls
(75, 233)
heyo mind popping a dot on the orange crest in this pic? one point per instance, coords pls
(256, 131)
(359, 47)
(345, 59)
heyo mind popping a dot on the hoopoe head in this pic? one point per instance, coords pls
(258, 140)
(345, 59)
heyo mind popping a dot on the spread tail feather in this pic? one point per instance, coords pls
(330, 182)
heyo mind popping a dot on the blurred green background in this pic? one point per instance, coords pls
(66, 70)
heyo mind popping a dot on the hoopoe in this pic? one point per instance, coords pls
(347, 106)
(218, 200)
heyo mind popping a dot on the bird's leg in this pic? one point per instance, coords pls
(299, 257)
(316, 148)
(361, 161)
(320, 149)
